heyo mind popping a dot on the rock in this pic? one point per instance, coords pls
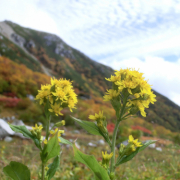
(18, 39)
(101, 141)
(30, 44)
(5, 130)
(159, 149)
(8, 139)
(31, 97)
(1, 37)
(91, 144)
(76, 132)
(152, 145)
(125, 142)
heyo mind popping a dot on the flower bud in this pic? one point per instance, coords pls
(62, 123)
(121, 149)
(145, 96)
(134, 110)
(112, 176)
(33, 132)
(136, 90)
(102, 127)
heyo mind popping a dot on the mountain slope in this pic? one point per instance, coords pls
(44, 52)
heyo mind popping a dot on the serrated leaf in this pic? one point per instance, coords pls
(22, 129)
(53, 167)
(88, 126)
(52, 149)
(90, 161)
(26, 133)
(65, 141)
(17, 171)
(129, 157)
(92, 128)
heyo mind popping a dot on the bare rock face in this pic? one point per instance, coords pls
(18, 39)
(50, 39)
(60, 50)
(30, 44)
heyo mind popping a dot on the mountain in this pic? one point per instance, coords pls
(49, 54)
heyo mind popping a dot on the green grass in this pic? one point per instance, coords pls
(148, 165)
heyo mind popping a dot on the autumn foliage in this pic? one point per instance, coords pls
(9, 102)
(18, 79)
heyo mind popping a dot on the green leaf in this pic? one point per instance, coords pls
(26, 133)
(23, 130)
(129, 157)
(52, 149)
(92, 128)
(90, 161)
(88, 126)
(65, 141)
(17, 171)
(53, 167)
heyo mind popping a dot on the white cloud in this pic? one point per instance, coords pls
(118, 33)
(28, 14)
(164, 76)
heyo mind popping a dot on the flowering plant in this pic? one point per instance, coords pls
(130, 93)
(55, 97)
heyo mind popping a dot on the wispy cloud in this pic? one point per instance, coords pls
(139, 33)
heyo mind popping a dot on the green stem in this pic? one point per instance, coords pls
(47, 135)
(112, 168)
(43, 171)
(47, 127)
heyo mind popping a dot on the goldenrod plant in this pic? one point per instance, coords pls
(130, 93)
(54, 97)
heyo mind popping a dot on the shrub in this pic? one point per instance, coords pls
(24, 103)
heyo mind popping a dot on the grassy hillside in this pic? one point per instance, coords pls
(88, 76)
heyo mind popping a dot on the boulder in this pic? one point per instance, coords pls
(5, 130)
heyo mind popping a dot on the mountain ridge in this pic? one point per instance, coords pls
(48, 53)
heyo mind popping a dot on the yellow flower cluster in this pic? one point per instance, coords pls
(101, 121)
(36, 131)
(131, 81)
(134, 142)
(131, 147)
(60, 95)
(53, 133)
(106, 159)
(107, 156)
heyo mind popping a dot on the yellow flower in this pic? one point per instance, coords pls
(134, 141)
(46, 168)
(131, 84)
(110, 94)
(107, 156)
(37, 128)
(56, 131)
(45, 141)
(96, 116)
(56, 109)
(59, 94)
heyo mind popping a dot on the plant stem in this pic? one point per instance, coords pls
(47, 135)
(47, 127)
(112, 168)
(42, 171)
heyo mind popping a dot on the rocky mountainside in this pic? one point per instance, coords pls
(49, 54)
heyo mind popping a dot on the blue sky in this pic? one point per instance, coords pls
(144, 34)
